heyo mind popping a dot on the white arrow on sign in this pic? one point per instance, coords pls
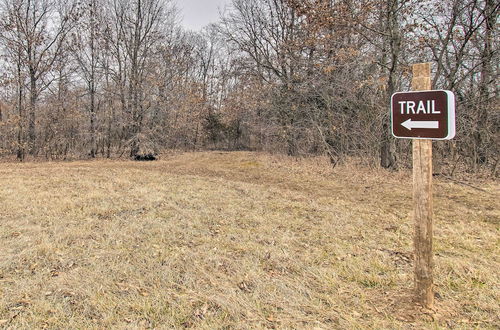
(409, 124)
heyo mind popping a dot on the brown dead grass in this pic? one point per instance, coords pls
(237, 240)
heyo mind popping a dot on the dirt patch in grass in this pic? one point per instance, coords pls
(237, 240)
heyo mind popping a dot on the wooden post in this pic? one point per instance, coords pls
(422, 198)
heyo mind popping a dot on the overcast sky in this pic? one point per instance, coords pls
(196, 14)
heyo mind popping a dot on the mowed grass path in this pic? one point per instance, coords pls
(236, 240)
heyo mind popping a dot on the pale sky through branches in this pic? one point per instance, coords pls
(196, 14)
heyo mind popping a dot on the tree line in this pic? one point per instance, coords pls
(109, 78)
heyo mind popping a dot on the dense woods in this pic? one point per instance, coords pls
(110, 78)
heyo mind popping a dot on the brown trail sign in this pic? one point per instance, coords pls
(423, 116)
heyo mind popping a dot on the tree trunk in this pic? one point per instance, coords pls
(32, 114)
(110, 118)
(483, 104)
(388, 144)
(133, 92)
(21, 152)
(93, 144)
(92, 87)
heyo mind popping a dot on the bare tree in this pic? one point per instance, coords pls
(140, 25)
(86, 47)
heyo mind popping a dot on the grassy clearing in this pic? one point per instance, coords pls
(236, 240)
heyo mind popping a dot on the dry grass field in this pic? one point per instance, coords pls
(237, 240)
